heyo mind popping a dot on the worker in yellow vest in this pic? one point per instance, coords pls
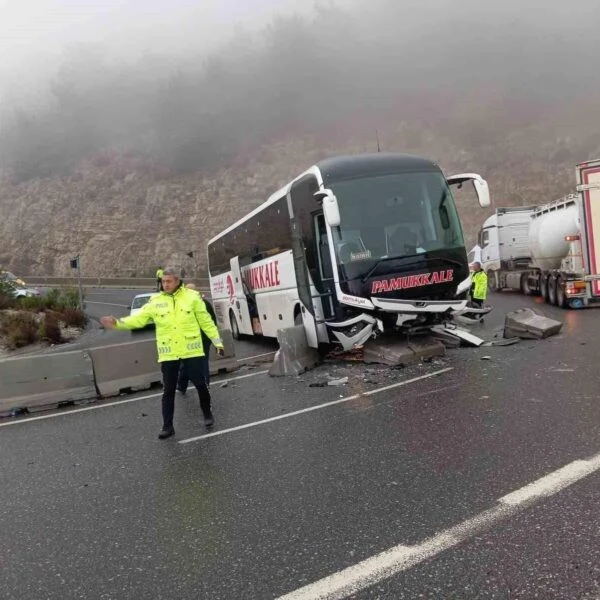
(479, 285)
(159, 273)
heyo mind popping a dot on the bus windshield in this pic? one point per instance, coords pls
(394, 216)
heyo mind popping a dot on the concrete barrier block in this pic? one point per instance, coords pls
(527, 324)
(126, 366)
(226, 363)
(223, 365)
(394, 352)
(45, 380)
(228, 345)
(294, 356)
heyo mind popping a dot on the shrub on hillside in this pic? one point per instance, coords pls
(61, 298)
(6, 295)
(50, 328)
(70, 297)
(32, 303)
(73, 317)
(18, 330)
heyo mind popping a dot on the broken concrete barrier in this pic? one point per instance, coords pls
(294, 356)
(525, 323)
(393, 352)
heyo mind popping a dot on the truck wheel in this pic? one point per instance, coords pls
(525, 288)
(235, 330)
(561, 297)
(544, 287)
(492, 281)
(552, 291)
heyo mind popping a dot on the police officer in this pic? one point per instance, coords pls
(179, 315)
(479, 285)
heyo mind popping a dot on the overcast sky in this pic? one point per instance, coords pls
(33, 33)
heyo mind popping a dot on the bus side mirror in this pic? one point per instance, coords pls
(481, 187)
(331, 210)
(483, 192)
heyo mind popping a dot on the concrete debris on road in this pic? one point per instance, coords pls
(394, 352)
(525, 323)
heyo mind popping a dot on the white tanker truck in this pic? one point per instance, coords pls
(552, 250)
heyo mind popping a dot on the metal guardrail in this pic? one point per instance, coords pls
(116, 282)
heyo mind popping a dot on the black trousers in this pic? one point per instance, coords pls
(477, 302)
(184, 378)
(170, 373)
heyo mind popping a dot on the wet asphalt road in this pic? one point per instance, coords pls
(94, 506)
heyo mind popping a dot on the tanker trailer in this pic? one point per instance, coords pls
(552, 250)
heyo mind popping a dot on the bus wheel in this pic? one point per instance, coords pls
(235, 330)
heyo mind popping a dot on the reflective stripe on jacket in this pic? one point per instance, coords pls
(480, 284)
(179, 319)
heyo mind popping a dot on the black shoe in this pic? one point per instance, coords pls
(166, 432)
(209, 420)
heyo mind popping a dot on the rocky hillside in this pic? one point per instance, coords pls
(125, 216)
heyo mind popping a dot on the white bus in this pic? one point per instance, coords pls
(353, 246)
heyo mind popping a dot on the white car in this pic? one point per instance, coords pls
(17, 286)
(139, 301)
(26, 292)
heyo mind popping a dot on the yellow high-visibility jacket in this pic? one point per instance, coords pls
(179, 319)
(159, 273)
(480, 285)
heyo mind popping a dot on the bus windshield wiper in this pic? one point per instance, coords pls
(377, 263)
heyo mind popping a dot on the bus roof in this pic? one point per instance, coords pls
(346, 167)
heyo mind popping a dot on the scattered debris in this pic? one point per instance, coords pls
(355, 355)
(503, 342)
(486, 358)
(224, 385)
(341, 381)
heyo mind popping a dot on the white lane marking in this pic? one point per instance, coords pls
(107, 304)
(256, 356)
(312, 408)
(552, 483)
(66, 413)
(401, 558)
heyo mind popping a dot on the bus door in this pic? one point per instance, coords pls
(326, 284)
(242, 302)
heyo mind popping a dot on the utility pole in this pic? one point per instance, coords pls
(75, 264)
